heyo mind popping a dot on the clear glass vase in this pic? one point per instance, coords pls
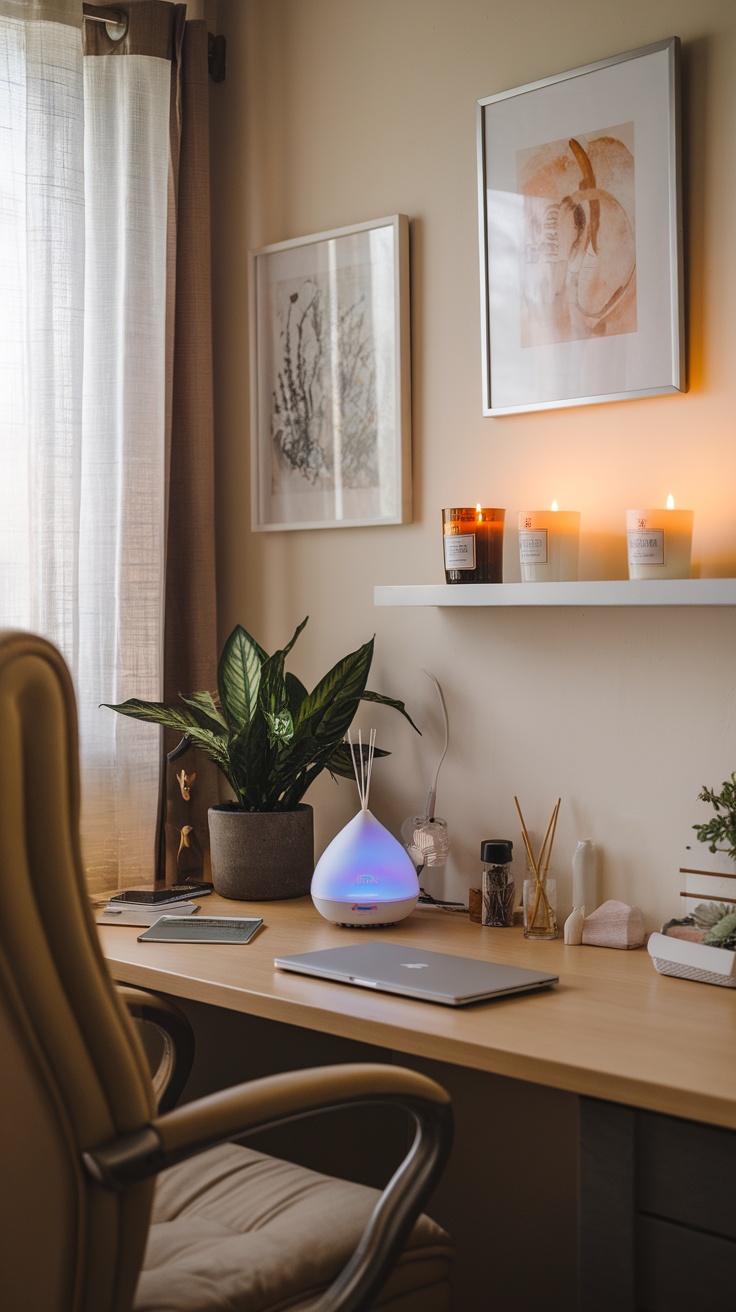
(540, 909)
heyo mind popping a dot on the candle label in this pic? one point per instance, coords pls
(533, 548)
(646, 547)
(460, 551)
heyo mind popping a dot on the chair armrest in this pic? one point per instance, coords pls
(177, 1038)
(279, 1098)
(251, 1107)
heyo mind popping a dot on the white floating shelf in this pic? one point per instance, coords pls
(606, 592)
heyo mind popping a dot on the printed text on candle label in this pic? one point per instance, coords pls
(647, 548)
(460, 551)
(533, 546)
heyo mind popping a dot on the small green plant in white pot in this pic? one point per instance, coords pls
(271, 739)
(686, 945)
(718, 919)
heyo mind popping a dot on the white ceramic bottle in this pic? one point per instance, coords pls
(585, 876)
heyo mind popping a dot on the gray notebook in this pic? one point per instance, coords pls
(430, 976)
(203, 929)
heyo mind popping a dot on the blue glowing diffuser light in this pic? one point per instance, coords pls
(365, 876)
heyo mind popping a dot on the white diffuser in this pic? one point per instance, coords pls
(365, 876)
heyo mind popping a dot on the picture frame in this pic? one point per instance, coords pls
(330, 379)
(580, 224)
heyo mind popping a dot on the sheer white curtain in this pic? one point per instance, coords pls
(84, 172)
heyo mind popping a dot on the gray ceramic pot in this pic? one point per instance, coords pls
(261, 856)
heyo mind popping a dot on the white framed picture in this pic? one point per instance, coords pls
(330, 379)
(581, 235)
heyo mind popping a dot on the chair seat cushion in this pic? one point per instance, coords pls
(234, 1230)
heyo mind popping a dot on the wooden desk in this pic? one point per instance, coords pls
(613, 1028)
(563, 1100)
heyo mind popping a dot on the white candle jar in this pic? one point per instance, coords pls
(549, 545)
(659, 543)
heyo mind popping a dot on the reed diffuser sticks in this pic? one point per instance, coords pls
(542, 911)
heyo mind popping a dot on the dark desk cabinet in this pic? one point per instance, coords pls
(657, 1212)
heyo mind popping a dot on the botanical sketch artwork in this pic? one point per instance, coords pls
(578, 274)
(330, 418)
(325, 422)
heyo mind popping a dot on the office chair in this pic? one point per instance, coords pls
(86, 1225)
(167, 1039)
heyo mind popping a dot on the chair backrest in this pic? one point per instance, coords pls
(72, 1072)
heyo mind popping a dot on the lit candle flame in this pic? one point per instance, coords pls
(478, 514)
(670, 502)
(554, 506)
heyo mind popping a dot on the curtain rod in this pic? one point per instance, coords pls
(101, 14)
(215, 44)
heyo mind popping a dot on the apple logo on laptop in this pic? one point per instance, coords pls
(415, 965)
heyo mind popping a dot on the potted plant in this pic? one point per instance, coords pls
(270, 739)
(720, 832)
(711, 925)
(718, 919)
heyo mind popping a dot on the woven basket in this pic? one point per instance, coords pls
(691, 972)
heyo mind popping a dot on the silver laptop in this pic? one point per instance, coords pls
(430, 976)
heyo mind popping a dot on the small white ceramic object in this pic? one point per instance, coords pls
(573, 931)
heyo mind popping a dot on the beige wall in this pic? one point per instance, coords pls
(338, 111)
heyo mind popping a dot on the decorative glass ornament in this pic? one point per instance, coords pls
(425, 836)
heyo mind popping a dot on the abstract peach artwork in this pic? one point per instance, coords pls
(581, 243)
(578, 256)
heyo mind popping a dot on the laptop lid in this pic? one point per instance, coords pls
(429, 976)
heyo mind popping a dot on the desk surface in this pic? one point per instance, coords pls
(612, 1028)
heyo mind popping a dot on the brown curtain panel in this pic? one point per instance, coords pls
(190, 781)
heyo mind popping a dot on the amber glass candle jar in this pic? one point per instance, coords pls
(472, 538)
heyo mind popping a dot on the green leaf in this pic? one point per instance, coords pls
(171, 717)
(390, 701)
(707, 914)
(294, 637)
(239, 677)
(295, 693)
(720, 831)
(303, 753)
(280, 725)
(206, 712)
(273, 695)
(340, 761)
(328, 711)
(293, 794)
(251, 762)
(323, 719)
(721, 931)
(214, 747)
(183, 721)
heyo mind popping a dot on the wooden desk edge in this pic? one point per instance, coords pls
(607, 1085)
